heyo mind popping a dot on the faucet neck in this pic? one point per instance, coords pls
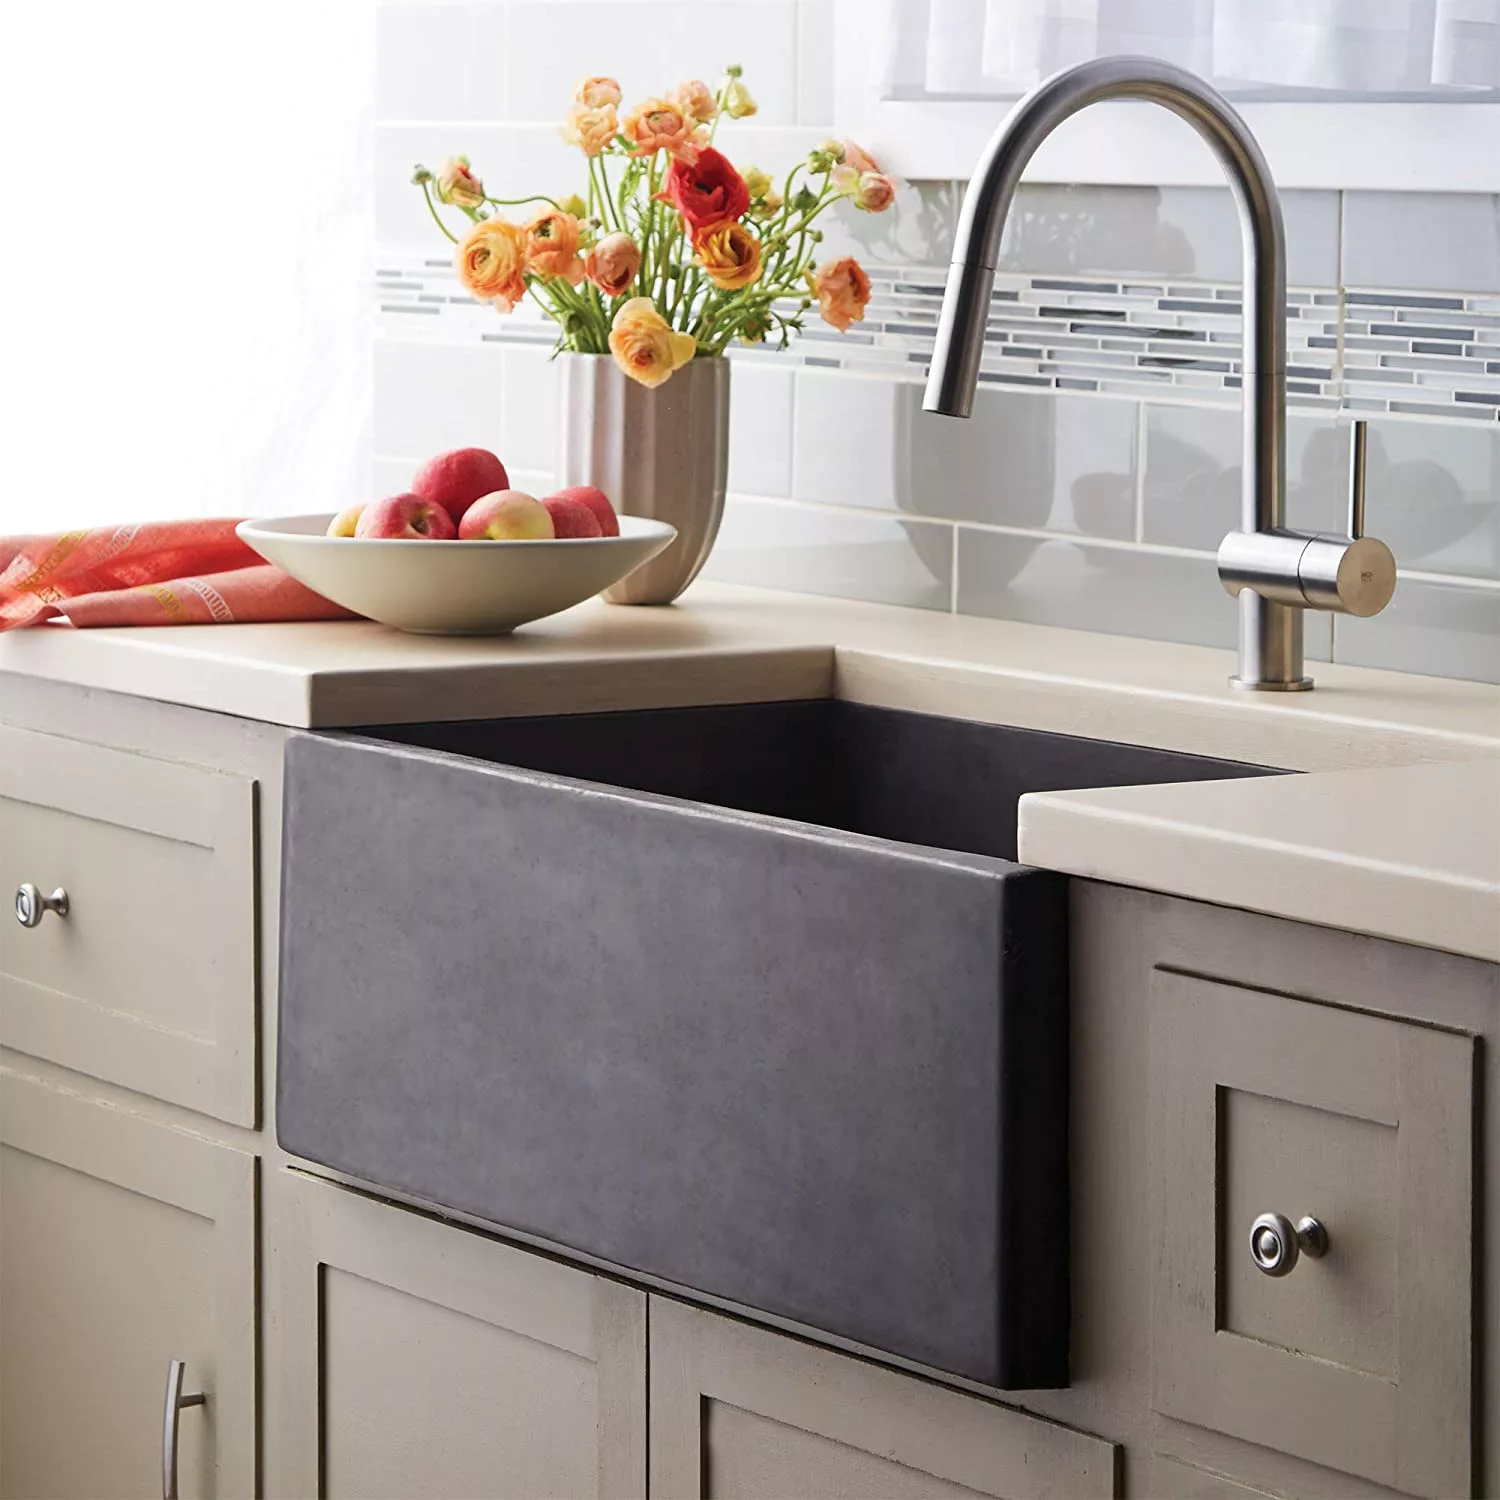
(987, 203)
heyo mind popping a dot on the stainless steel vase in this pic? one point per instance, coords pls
(661, 453)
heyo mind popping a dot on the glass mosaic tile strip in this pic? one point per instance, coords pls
(1369, 349)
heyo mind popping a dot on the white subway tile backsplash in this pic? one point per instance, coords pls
(440, 62)
(852, 440)
(760, 429)
(528, 415)
(1121, 590)
(1187, 233)
(816, 551)
(1023, 459)
(815, 62)
(917, 229)
(1422, 241)
(650, 46)
(1433, 495)
(1191, 481)
(1441, 629)
(429, 397)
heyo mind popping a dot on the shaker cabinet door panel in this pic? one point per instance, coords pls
(124, 1244)
(414, 1357)
(149, 981)
(741, 1413)
(1359, 1357)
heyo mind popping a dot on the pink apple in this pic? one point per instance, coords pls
(506, 516)
(456, 480)
(407, 516)
(597, 501)
(347, 519)
(571, 518)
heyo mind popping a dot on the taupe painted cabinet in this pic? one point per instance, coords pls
(1223, 1065)
(416, 1358)
(124, 1244)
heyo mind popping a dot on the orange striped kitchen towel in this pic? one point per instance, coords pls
(159, 573)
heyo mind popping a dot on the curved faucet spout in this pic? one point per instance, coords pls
(1276, 573)
(976, 251)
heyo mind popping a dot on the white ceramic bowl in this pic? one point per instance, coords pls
(453, 588)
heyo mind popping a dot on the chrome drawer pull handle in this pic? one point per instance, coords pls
(176, 1371)
(1276, 1243)
(32, 905)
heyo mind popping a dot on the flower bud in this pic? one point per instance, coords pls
(574, 205)
(420, 175)
(738, 102)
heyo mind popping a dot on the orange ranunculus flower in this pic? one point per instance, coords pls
(456, 184)
(595, 93)
(729, 253)
(492, 263)
(696, 99)
(660, 125)
(552, 246)
(644, 346)
(591, 128)
(857, 157)
(842, 290)
(612, 263)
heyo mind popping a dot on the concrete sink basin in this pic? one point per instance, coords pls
(753, 1001)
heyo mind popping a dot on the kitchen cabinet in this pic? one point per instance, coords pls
(415, 1357)
(1220, 1065)
(148, 979)
(740, 1411)
(124, 1244)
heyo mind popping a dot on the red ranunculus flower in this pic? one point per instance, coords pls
(706, 191)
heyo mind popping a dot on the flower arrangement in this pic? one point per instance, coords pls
(672, 253)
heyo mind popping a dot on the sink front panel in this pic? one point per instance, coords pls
(807, 1069)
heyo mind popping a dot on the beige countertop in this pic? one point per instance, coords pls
(1415, 853)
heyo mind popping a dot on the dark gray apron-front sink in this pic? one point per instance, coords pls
(753, 1000)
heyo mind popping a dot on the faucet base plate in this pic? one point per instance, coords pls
(1250, 685)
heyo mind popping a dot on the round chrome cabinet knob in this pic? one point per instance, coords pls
(32, 905)
(1276, 1243)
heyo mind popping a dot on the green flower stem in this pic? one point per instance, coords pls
(534, 198)
(432, 209)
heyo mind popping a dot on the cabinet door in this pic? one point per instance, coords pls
(149, 981)
(124, 1244)
(1358, 1357)
(415, 1357)
(741, 1412)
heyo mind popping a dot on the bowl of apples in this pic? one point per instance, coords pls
(506, 558)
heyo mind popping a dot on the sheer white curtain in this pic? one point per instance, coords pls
(1002, 47)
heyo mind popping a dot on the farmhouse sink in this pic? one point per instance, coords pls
(751, 1000)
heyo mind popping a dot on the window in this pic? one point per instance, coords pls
(1379, 94)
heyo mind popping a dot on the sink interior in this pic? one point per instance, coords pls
(914, 778)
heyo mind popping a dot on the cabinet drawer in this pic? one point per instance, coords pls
(1358, 1357)
(149, 981)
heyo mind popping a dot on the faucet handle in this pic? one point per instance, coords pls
(1357, 437)
(1353, 575)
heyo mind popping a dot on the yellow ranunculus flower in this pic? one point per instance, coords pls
(644, 345)
(729, 254)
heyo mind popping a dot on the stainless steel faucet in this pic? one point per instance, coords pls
(1277, 573)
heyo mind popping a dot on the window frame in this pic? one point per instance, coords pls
(1402, 147)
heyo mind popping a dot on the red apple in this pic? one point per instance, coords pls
(456, 480)
(410, 516)
(506, 516)
(597, 501)
(347, 519)
(570, 517)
